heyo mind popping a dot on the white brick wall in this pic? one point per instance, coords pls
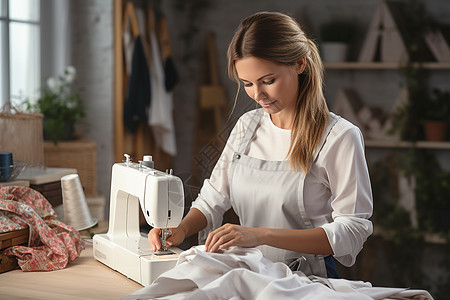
(93, 55)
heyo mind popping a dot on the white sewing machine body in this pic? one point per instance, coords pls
(161, 198)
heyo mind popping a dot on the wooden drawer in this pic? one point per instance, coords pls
(52, 191)
(8, 239)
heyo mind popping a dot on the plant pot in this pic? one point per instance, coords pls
(435, 130)
(334, 51)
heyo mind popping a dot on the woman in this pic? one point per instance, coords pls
(294, 173)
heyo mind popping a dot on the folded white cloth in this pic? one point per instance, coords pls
(244, 273)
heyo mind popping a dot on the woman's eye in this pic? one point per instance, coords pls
(268, 82)
(247, 84)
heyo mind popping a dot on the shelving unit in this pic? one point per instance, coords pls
(406, 144)
(372, 145)
(380, 87)
(445, 66)
(381, 66)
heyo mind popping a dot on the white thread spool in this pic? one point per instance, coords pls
(76, 210)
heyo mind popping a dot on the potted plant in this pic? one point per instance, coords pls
(437, 115)
(61, 106)
(336, 35)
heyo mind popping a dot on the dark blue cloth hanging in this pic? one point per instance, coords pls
(138, 97)
(171, 74)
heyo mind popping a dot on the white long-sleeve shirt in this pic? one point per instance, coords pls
(337, 191)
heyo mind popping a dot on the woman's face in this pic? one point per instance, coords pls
(274, 86)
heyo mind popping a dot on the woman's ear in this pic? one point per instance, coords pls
(301, 65)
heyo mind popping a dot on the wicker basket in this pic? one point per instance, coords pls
(77, 154)
(22, 135)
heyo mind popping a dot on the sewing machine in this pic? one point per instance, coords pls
(161, 198)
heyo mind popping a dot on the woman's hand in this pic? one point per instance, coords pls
(233, 235)
(192, 223)
(154, 237)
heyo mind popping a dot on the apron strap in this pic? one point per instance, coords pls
(251, 129)
(333, 120)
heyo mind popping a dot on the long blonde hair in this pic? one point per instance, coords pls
(278, 38)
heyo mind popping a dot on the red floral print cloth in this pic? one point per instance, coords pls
(53, 244)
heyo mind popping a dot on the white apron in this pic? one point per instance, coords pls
(273, 192)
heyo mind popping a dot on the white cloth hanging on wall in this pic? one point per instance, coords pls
(244, 273)
(160, 112)
(128, 46)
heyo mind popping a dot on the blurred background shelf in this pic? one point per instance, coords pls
(381, 65)
(407, 144)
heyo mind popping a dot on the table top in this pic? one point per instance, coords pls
(84, 278)
(44, 175)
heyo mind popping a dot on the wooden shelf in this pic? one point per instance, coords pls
(406, 144)
(380, 65)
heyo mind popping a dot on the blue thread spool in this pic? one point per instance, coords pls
(6, 165)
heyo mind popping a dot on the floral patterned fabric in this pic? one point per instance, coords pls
(53, 244)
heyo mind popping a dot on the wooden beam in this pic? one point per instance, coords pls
(118, 82)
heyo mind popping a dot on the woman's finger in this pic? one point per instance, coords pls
(224, 242)
(212, 238)
(154, 240)
(219, 238)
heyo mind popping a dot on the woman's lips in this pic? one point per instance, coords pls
(268, 104)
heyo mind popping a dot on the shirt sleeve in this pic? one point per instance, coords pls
(214, 197)
(352, 203)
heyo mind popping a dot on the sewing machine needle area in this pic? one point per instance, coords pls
(165, 233)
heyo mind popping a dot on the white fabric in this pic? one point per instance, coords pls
(160, 111)
(243, 273)
(337, 191)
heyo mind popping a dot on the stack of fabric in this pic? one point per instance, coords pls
(52, 243)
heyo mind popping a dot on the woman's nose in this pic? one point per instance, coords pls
(258, 93)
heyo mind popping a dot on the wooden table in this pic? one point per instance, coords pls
(84, 278)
